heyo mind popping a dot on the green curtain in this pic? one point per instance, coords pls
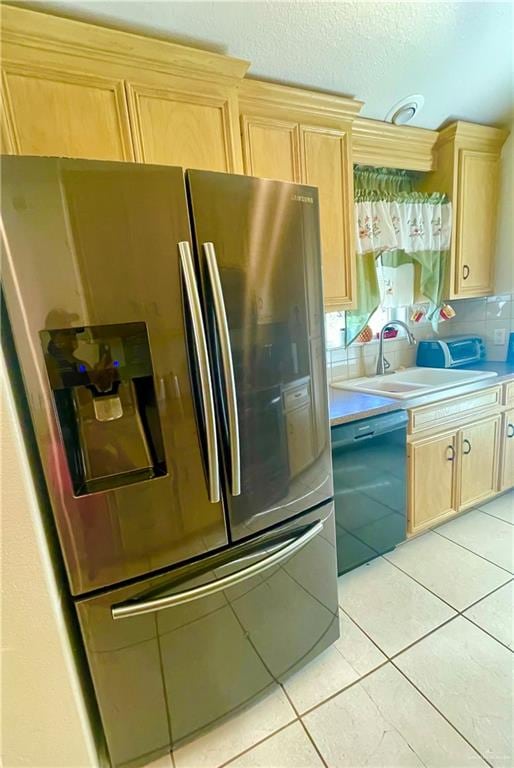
(390, 180)
(431, 267)
(368, 297)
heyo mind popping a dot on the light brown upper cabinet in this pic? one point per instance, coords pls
(467, 169)
(57, 112)
(296, 135)
(80, 90)
(181, 122)
(325, 155)
(271, 148)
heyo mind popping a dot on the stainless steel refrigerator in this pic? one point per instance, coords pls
(169, 331)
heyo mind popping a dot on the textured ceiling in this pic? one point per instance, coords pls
(457, 54)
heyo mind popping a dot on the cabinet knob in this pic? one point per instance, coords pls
(468, 444)
(510, 430)
(451, 457)
(465, 272)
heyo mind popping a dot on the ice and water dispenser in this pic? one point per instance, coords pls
(102, 382)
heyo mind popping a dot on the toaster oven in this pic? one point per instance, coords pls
(452, 352)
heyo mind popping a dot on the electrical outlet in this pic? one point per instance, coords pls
(499, 336)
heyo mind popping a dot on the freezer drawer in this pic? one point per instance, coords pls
(173, 654)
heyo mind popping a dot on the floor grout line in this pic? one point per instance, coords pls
(472, 551)
(496, 516)
(257, 743)
(486, 632)
(361, 629)
(434, 629)
(488, 595)
(458, 610)
(345, 688)
(311, 739)
(419, 583)
(303, 724)
(441, 713)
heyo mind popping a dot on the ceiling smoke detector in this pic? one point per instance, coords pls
(404, 110)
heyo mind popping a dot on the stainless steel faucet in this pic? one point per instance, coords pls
(382, 363)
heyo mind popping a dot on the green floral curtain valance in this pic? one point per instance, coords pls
(395, 227)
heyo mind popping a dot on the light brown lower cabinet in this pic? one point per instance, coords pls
(452, 471)
(507, 451)
(431, 480)
(478, 453)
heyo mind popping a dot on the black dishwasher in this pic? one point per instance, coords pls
(370, 459)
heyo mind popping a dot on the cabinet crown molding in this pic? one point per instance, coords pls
(44, 31)
(392, 146)
(473, 135)
(270, 97)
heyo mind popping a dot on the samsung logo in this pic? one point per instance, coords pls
(302, 199)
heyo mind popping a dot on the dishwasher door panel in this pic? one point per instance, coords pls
(369, 460)
(163, 675)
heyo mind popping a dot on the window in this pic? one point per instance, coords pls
(335, 323)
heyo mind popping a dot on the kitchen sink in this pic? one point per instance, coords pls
(413, 382)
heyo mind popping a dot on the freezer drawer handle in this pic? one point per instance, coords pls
(129, 609)
(228, 368)
(203, 369)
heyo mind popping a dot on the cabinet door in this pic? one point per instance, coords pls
(299, 438)
(327, 165)
(270, 148)
(184, 127)
(65, 114)
(478, 450)
(431, 480)
(507, 459)
(475, 228)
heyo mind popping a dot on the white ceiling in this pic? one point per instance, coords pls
(459, 55)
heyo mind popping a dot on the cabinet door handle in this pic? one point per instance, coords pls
(451, 457)
(466, 442)
(465, 272)
(510, 430)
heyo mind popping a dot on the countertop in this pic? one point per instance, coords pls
(346, 406)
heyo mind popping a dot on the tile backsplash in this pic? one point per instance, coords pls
(483, 317)
(479, 317)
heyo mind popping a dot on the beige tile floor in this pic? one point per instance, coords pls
(422, 675)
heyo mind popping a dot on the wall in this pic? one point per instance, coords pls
(479, 317)
(44, 720)
(482, 317)
(361, 359)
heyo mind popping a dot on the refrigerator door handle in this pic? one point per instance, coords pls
(228, 367)
(193, 298)
(126, 610)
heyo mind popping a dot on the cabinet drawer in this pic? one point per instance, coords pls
(454, 411)
(508, 393)
(294, 398)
